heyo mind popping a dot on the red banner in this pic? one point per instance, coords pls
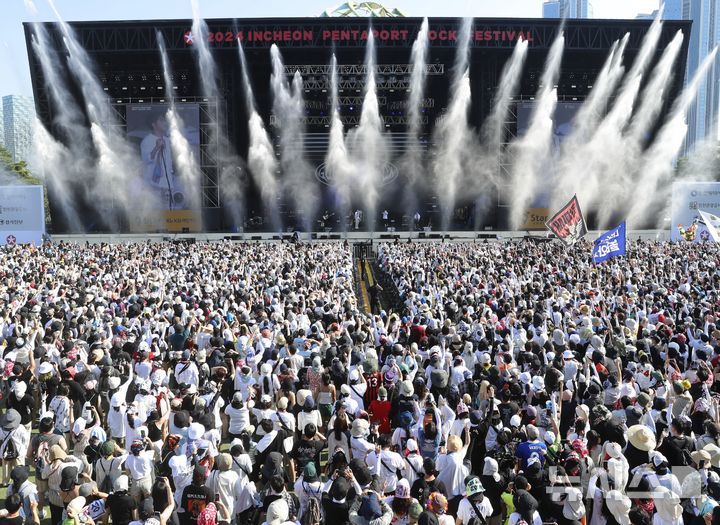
(568, 224)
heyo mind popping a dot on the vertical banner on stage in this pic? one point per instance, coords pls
(160, 182)
(610, 244)
(688, 199)
(568, 224)
(22, 215)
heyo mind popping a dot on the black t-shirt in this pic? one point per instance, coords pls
(421, 489)
(194, 500)
(673, 447)
(611, 430)
(17, 520)
(24, 406)
(338, 513)
(304, 451)
(121, 506)
(507, 410)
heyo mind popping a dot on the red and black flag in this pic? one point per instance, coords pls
(568, 224)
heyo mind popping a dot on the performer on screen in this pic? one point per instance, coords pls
(158, 172)
(357, 218)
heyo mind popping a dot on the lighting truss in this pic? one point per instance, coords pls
(350, 121)
(361, 69)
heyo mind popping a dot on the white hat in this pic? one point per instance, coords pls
(277, 512)
(667, 504)
(538, 383)
(75, 506)
(485, 358)
(45, 368)
(79, 425)
(360, 427)
(515, 421)
(195, 431)
(121, 483)
(619, 506)
(573, 506)
(658, 458)
(567, 354)
(525, 378)
(20, 388)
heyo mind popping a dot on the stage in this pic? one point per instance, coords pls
(350, 237)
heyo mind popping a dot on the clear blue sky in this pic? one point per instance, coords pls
(15, 77)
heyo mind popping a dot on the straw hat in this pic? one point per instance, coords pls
(641, 437)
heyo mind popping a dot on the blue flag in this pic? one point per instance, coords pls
(610, 244)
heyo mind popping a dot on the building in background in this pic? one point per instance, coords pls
(18, 117)
(551, 9)
(567, 9)
(705, 35)
(2, 128)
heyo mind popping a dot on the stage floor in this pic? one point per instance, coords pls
(351, 237)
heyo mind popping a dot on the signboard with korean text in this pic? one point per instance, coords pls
(22, 215)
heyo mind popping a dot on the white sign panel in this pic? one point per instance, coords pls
(22, 215)
(687, 201)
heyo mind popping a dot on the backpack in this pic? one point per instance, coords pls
(42, 455)
(106, 486)
(11, 451)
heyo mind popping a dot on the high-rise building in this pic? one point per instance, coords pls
(18, 113)
(2, 128)
(551, 9)
(705, 35)
(567, 9)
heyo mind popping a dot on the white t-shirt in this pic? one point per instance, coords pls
(466, 511)
(515, 517)
(239, 419)
(224, 484)
(140, 466)
(388, 462)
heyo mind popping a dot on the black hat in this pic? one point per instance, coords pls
(68, 478)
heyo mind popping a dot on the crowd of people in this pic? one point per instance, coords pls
(222, 383)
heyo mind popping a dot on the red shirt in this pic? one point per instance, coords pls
(380, 413)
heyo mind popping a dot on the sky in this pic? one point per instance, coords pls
(15, 76)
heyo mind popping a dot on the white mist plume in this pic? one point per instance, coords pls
(452, 137)
(531, 152)
(338, 165)
(656, 166)
(368, 144)
(298, 179)
(261, 155)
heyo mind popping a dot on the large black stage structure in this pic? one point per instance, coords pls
(128, 65)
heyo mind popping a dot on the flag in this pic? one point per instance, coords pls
(712, 223)
(568, 224)
(610, 244)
